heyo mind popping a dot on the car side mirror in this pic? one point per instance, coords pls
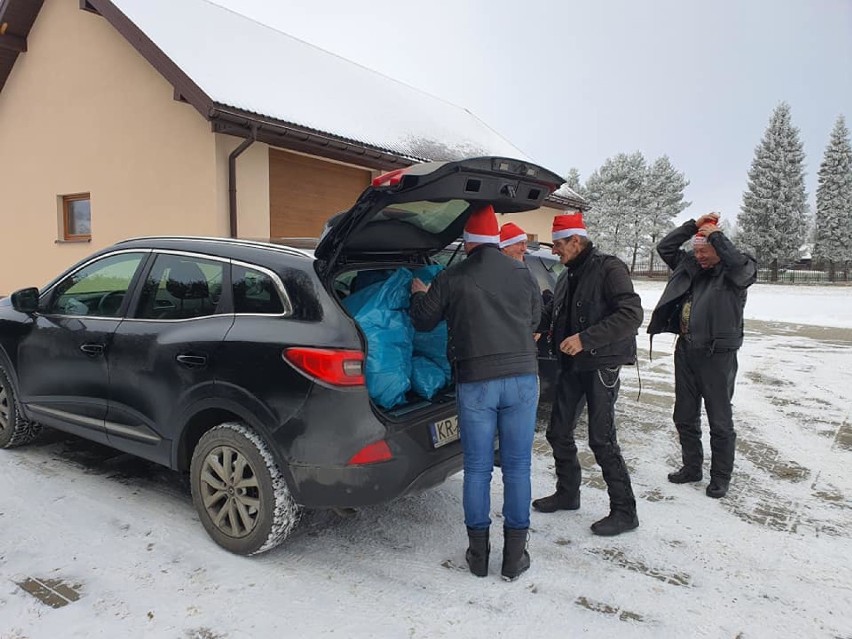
(25, 300)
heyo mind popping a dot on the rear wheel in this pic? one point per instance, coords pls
(240, 492)
(14, 429)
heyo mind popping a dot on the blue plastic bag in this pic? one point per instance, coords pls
(381, 311)
(430, 369)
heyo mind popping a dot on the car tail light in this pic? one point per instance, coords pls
(335, 367)
(371, 454)
(391, 178)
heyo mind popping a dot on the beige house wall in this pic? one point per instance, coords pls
(538, 222)
(82, 111)
(252, 172)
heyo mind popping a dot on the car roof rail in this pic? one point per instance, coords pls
(225, 240)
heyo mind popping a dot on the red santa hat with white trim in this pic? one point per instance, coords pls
(511, 233)
(698, 239)
(482, 227)
(569, 224)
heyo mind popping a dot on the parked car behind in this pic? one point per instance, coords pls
(236, 362)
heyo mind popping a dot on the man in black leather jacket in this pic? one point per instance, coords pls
(492, 306)
(703, 304)
(594, 316)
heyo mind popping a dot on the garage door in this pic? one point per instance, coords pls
(304, 192)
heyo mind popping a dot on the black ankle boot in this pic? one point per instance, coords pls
(717, 488)
(556, 501)
(516, 559)
(617, 522)
(685, 475)
(478, 550)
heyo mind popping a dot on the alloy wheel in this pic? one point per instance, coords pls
(230, 491)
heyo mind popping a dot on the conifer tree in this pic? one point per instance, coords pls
(773, 218)
(833, 236)
(616, 192)
(665, 187)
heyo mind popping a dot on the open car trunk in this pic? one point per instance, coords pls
(406, 371)
(396, 225)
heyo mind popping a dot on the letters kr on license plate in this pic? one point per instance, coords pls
(444, 431)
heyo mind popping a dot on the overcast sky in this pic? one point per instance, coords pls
(572, 83)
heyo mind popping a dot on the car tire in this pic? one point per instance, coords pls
(14, 429)
(246, 515)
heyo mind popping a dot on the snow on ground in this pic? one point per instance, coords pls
(773, 559)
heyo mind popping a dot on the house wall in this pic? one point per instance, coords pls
(538, 222)
(82, 111)
(252, 173)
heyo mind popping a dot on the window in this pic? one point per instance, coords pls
(180, 287)
(76, 217)
(255, 292)
(96, 290)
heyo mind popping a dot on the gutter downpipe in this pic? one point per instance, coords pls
(232, 178)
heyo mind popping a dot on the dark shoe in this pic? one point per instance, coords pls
(478, 551)
(516, 559)
(615, 523)
(556, 501)
(717, 488)
(685, 475)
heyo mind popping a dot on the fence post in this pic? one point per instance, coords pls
(832, 271)
(773, 274)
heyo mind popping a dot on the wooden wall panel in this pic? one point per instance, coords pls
(304, 192)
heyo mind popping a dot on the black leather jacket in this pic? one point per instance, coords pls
(492, 306)
(604, 310)
(718, 293)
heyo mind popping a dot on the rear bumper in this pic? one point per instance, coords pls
(356, 486)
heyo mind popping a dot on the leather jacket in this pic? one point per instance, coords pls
(604, 309)
(492, 306)
(718, 294)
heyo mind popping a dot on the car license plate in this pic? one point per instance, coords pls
(444, 431)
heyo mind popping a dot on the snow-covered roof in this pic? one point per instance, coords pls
(247, 65)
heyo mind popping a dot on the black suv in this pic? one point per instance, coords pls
(236, 361)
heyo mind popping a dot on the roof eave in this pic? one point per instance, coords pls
(232, 121)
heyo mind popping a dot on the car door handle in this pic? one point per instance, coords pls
(193, 361)
(92, 349)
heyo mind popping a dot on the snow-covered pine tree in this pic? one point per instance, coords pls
(615, 191)
(773, 218)
(572, 181)
(833, 237)
(664, 186)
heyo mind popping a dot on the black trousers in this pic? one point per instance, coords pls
(711, 377)
(598, 390)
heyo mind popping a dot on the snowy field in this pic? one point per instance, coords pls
(773, 559)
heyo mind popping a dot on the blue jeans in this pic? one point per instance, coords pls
(505, 408)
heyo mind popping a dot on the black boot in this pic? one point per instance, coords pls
(516, 559)
(717, 488)
(685, 475)
(556, 501)
(478, 550)
(617, 522)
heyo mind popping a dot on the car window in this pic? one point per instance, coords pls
(433, 217)
(96, 290)
(181, 287)
(255, 292)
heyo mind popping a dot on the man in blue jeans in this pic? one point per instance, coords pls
(492, 306)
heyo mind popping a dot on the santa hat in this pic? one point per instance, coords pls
(511, 233)
(699, 239)
(482, 227)
(569, 224)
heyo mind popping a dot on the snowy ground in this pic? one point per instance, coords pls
(773, 559)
